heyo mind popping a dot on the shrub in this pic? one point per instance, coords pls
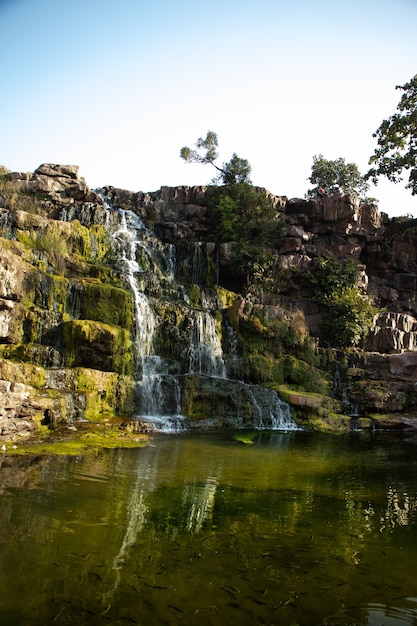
(348, 312)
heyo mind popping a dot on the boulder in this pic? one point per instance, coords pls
(404, 365)
(61, 183)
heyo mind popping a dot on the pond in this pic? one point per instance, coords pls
(293, 529)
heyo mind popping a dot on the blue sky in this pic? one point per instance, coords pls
(119, 87)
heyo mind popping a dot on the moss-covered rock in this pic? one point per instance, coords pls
(99, 346)
(93, 300)
(315, 411)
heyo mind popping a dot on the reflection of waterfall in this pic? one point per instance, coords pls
(198, 502)
(136, 512)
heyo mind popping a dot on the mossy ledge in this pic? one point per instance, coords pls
(73, 441)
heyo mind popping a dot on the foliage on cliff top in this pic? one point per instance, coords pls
(233, 172)
(397, 141)
(245, 215)
(336, 177)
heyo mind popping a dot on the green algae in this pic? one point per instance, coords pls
(246, 438)
(77, 440)
(89, 343)
(104, 303)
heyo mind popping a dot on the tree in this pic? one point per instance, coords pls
(235, 171)
(348, 312)
(336, 177)
(397, 141)
(245, 215)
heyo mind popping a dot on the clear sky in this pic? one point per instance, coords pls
(118, 87)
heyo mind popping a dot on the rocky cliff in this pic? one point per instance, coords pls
(116, 305)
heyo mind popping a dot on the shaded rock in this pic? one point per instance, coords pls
(404, 365)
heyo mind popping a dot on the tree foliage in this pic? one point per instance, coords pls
(233, 172)
(336, 177)
(349, 313)
(397, 141)
(247, 217)
(244, 214)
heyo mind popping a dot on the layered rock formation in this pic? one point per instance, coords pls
(75, 281)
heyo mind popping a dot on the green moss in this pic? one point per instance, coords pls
(331, 423)
(315, 410)
(194, 293)
(35, 353)
(98, 346)
(233, 313)
(300, 398)
(386, 420)
(73, 443)
(261, 369)
(365, 422)
(226, 297)
(246, 438)
(204, 399)
(32, 375)
(302, 374)
(104, 303)
(106, 394)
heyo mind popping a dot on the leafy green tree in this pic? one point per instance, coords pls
(348, 313)
(246, 216)
(397, 141)
(349, 317)
(336, 177)
(236, 171)
(233, 172)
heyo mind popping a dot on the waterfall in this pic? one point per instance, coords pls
(126, 238)
(159, 392)
(150, 271)
(341, 390)
(268, 410)
(205, 351)
(160, 395)
(197, 264)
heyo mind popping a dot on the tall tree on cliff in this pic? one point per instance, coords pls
(235, 171)
(397, 141)
(336, 177)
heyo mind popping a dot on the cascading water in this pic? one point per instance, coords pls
(158, 391)
(269, 410)
(150, 272)
(205, 353)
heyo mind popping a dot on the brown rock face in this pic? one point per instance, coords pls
(59, 182)
(393, 332)
(404, 365)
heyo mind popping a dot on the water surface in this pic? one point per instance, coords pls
(297, 528)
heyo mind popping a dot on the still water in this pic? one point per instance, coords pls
(296, 528)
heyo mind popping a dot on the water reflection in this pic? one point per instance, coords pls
(295, 529)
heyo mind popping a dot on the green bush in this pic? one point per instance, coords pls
(349, 317)
(349, 313)
(246, 215)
